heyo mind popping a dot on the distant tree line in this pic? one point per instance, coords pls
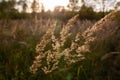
(8, 10)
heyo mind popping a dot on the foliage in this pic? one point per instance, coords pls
(8, 11)
(18, 39)
(103, 60)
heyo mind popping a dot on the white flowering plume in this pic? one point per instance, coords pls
(103, 28)
(49, 59)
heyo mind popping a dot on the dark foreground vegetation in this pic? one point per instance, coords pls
(21, 33)
(18, 39)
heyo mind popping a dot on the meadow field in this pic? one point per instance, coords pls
(51, 49)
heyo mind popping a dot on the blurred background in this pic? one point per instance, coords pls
(24, 22)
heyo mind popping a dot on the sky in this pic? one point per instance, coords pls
(97, 6)
(48, 4)
(51, 4)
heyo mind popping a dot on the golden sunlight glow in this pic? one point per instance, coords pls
(51, 4)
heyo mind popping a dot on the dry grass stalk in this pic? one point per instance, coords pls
(54, 54)
(101, 29)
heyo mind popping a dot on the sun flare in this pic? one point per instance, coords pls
(51, 4)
